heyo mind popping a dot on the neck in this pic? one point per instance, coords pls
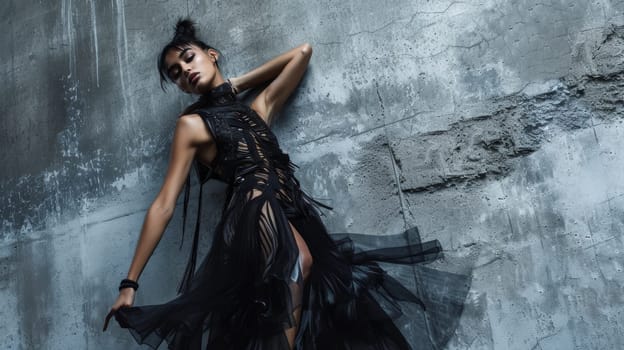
(216, 81)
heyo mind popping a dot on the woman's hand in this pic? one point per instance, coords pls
(125, 299)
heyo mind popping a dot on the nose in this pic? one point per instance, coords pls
(186, 69)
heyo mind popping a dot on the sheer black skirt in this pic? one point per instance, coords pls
(363, 291)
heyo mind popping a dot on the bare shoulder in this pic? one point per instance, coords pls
(192, 126)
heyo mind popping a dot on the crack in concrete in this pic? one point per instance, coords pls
(489, 262)
(381, 104)
(537, 343)
(510, 223)
(331, 133)
(374, 30)
(404, 208)
(599, 242)
(411, 19)
(383, 125)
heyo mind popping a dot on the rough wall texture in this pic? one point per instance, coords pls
(493, 126)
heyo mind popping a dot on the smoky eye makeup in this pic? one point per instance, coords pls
(186, 55)
(173, 72)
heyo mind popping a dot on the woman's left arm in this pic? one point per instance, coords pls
(286, 71)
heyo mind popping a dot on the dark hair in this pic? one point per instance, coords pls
(183, 37)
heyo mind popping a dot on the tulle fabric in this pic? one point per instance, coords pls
(350, 301)
(363, 291)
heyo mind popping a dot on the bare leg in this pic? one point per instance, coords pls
(298, 279)
(305, 261)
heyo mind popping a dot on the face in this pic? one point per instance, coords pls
(192, 69)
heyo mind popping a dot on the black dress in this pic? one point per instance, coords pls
(243, 294)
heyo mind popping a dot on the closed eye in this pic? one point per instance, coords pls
(174, 72)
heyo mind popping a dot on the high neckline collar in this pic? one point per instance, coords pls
(221, 94)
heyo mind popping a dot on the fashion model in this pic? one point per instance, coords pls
(274, 278)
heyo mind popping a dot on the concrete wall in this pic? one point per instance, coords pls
(493, 126)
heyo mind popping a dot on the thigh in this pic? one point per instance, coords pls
(268, 219)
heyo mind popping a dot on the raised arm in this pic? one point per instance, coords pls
(187, 136)
(285, 71)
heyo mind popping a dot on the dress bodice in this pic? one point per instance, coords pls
(244, 141)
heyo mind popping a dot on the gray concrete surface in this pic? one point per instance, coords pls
(493, 126)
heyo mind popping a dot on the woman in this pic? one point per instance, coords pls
(273, 278)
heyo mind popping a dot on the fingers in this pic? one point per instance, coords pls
(111, 313)
(122, 302)
(108, 317)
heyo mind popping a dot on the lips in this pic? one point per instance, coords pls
(193, 78)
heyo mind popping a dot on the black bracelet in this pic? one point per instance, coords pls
(127, 283)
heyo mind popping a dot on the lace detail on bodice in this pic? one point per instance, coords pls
(243, 141)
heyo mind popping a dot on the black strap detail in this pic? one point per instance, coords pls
(187, 193)
(190, 267)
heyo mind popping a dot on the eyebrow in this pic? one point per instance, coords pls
(179, 56)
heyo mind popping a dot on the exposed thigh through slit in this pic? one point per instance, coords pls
(267, 227)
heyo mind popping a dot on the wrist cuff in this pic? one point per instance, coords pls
(127, 283)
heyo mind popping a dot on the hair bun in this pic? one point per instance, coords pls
(185, 28)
